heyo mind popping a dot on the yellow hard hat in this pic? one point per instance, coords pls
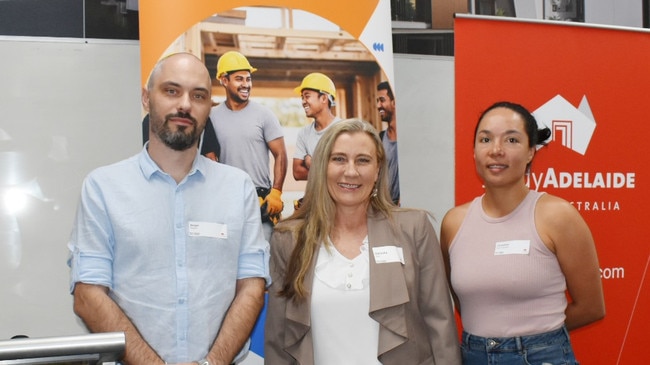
(319, 82)
(233, 61)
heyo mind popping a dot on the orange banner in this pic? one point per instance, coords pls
(590, 86)
(162, 21)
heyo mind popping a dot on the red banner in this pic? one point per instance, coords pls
(590, 86)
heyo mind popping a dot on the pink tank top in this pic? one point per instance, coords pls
(507, 281)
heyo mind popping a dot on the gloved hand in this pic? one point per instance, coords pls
(266, 217)
(297, 203)
(275, 218)
(274, 202)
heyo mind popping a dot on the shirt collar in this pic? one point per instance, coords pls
(149, 167)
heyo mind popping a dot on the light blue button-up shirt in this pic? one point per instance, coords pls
(169, 253)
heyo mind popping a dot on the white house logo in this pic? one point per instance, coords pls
(571, 126)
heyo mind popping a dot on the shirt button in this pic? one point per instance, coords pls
(350, 274)
(348, 285)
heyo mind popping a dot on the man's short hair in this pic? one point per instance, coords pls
(384, 85)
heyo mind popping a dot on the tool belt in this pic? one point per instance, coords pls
(262, 193)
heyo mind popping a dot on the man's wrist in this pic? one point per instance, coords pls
(203, 362)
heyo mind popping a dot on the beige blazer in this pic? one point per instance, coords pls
(411, 302)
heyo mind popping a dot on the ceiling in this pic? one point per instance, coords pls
(284, 54)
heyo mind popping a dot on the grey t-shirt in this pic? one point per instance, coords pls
(393, 168)
(243, 136)
(308, 138)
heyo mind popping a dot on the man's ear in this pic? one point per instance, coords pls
(145, 99)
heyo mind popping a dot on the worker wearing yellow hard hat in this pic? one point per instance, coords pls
(318, 82)
(318, 97)
(232, 61)
(247, 131)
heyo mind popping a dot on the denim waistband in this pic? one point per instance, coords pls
(514, 344)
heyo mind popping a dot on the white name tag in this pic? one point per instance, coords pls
(515, 247)
(208, 229)
(386, 254)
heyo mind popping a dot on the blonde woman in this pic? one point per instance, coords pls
(357, 280)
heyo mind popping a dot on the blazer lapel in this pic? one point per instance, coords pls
(388, 291)
(298, 325)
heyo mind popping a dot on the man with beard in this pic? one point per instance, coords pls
(386, 108)
(247, 131)
(208, 143)
(318, 95)
(167, 246)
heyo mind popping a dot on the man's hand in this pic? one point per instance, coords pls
(274, 202)
(307, 162)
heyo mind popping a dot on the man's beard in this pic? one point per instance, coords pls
(238, 99)
(179, 140)
(387, 116)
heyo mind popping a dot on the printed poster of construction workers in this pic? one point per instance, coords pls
(349, 42)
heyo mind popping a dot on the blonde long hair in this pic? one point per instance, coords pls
(315, 216)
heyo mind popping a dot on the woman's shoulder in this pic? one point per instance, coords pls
(283, 237)
(408, 212)
(554, 215)
(560, 223)
(287, 227)
(457, 213)
(403, 215)
(554, 207)
(288, 224)
(451, 223)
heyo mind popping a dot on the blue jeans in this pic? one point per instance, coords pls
(550, 348)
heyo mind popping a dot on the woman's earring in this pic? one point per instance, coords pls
(374, 192)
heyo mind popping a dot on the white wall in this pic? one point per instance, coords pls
(424, 93)
(67, 107)
(529, 9)
(628, 13)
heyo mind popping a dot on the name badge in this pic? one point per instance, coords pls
(515, 247)
(386, 254)
(208, 229)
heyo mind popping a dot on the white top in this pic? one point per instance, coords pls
(342, 330)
